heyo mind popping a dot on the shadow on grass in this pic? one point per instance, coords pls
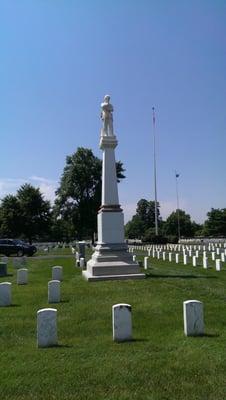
(59, 302)
(180, 276)
(131, 341)
(15, 305)
(206, 335)
(57, 346)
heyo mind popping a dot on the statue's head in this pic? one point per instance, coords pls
(107, 98)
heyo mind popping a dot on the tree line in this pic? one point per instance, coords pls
(142, 224)
(27, 215)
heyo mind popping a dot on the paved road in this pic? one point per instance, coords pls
(52, 256)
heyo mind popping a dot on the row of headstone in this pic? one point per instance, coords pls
(218, 262)
(180, 248)
(121, 323)
(6, 292)
(22, 279)
(18, 262)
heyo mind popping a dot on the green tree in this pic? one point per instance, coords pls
(197, 229)
(79, 196)
(35, 213)
(215, 225)
(143, 221)
(25, 215)
(146, 211)
(171, 224)
(135, 228)
(10, 217)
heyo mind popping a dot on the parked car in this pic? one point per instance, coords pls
(10, 247)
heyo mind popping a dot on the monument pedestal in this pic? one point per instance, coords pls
(111, 259)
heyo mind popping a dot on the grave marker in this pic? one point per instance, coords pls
(122, 322)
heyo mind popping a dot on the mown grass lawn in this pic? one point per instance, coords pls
(159, 364)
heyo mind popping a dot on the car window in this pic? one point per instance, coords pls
(3, 241)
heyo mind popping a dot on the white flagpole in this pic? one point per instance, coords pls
(156, 208)
(178, 209)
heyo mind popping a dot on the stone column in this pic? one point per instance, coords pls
(111, 259)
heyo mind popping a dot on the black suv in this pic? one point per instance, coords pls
(10, 247)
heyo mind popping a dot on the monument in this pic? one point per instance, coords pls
(111, 259)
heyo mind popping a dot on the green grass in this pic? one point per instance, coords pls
(159, 364)
(53, 251)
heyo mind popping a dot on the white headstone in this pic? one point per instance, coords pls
(205, 262)
(134, 257)
(218, 264)
(177, 258)
(82, 263)
(57, 273)
(54, 291)
(5, 294)
(145, 262)
(22, 276)
(164, 255)
(194, 261)
(47, 327)
(170, 257)
(222, 257)
(185, 259)
(213, 255)
(122, 322)
(193, 318)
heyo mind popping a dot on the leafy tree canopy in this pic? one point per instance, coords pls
(171, 224)
(215, 225)
(78, 197)
(26, 214)
(143, 220)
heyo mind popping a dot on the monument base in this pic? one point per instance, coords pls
(93, 278)
(112, 262)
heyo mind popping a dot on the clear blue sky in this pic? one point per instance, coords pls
(58, 60)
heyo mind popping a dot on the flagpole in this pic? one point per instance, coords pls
(156, 208)
(178, 209)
